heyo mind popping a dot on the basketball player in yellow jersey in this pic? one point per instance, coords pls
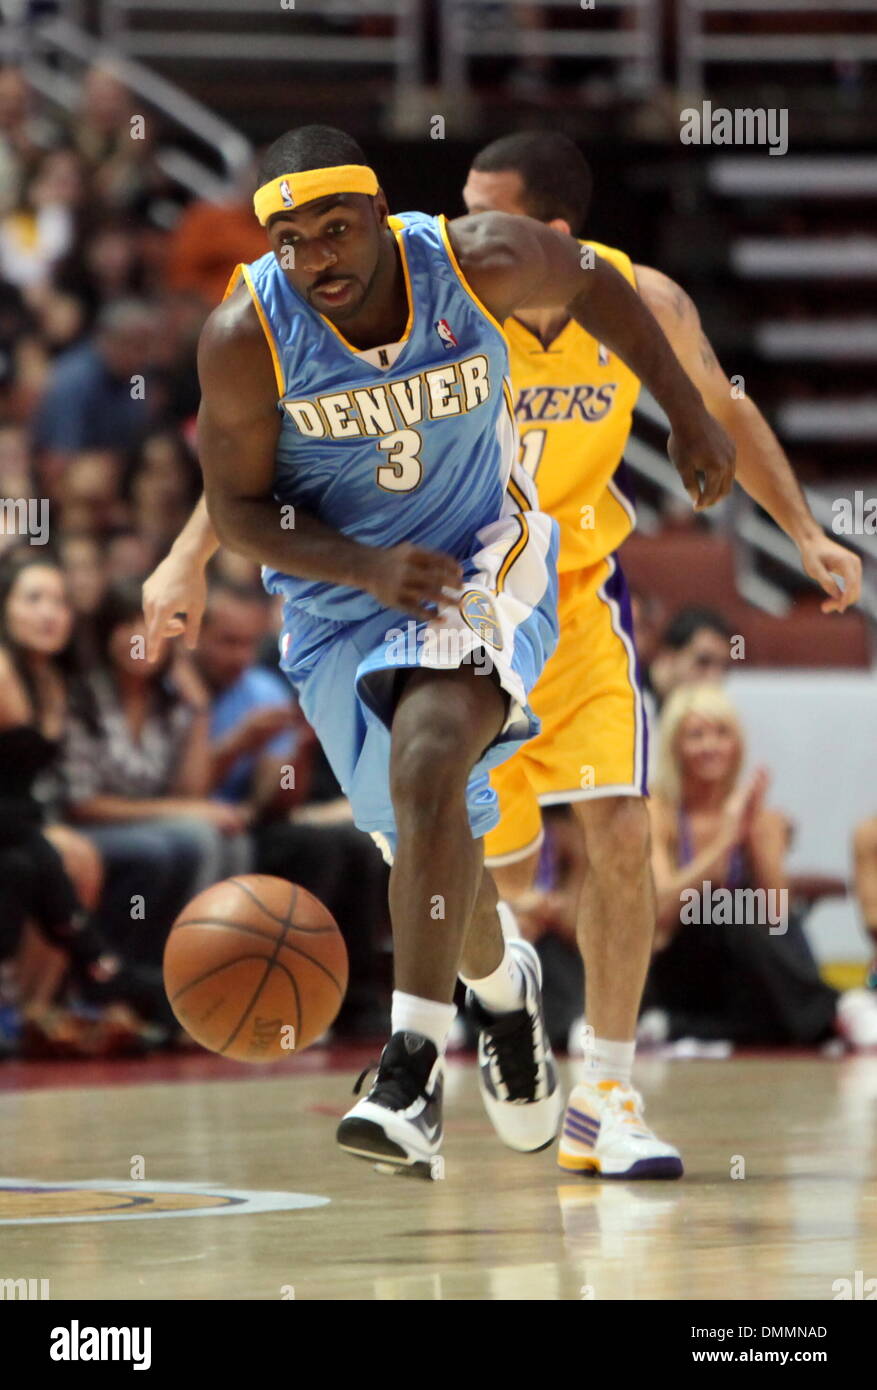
(573, 405)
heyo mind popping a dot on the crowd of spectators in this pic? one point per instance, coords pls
(743, 978)
(126, 786)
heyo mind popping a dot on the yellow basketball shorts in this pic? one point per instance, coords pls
(594, 740)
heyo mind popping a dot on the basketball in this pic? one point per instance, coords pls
(255, 968)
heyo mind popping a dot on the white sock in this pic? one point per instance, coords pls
(508, 921)
(410, 1014)
(607, 1061)
(502, 991)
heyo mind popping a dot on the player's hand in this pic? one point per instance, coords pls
(174, 599)
(703, 454)
(408, 577)
(823, 560)
(744, 806)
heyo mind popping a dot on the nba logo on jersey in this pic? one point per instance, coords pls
(285, 644)
(443, 329)
(286, 194)
(602, 355)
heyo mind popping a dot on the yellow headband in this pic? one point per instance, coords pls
(291, 190)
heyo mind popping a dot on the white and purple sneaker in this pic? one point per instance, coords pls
(605, 1135)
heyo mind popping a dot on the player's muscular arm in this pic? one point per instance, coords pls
(762, 467)
(238, 428)
(513, 261)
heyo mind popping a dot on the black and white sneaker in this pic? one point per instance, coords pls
(516, 1068)
(398, 1125)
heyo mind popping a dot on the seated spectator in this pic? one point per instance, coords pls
(86, 575)
(210, 239)
(137, 778)
(91, 401)
(84, 570)
(648, 614)
(103, 265)
(25, 133)
(735, 980)
(89, 492)
(23, 357)
(865, 849)
(118, 151)
(176, 361)
(162, 485)
(128, 555)
(39, 232)
(694, 647)
(48, 877)
(252, 710)
(264, 757)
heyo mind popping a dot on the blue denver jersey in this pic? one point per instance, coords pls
(420, 450)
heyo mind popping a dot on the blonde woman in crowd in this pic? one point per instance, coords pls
(731, 961)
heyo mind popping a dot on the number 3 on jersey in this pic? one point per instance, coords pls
(403, 470)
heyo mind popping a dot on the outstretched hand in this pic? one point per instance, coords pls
(174, 599)
(824, 560)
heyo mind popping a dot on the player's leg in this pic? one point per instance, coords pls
(442, 723)
(448, 729)
(616, 921)
(444, 720)
(517, 1073)
(604, 1130)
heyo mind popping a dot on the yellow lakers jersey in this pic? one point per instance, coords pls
(574, 405)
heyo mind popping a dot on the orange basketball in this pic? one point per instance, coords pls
(255, 968)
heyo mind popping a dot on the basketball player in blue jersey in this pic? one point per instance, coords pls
(357, 440)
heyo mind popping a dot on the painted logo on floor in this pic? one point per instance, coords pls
(25, 1202)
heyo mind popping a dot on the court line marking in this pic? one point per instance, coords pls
(242, 1201)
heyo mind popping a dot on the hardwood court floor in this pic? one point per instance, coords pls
(500, 1226)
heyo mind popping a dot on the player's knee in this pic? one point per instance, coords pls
(617, 832)
(428, 767)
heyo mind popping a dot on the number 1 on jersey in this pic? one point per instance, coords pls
(532, 444)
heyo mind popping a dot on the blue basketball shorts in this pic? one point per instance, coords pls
(344, 672)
